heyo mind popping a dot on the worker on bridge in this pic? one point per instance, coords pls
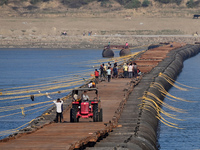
(59, 109)
(108, 47)
(85, 97)
(96, 73)
(126, 45)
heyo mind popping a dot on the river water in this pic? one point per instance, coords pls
(47, 74)
(189, 137)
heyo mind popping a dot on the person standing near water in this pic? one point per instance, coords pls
(96, 73)
(59, 110)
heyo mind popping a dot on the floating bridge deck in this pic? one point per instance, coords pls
(121, 116)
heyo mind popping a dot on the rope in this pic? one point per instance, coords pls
(24, 111)
(163, 103)
(70, 80)
(163, 91)
(77, 74)
(49, 88)
(173, 81)
(157, 108)
(148, 102)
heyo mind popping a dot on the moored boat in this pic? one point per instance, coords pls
(125, 52)
(108, 53)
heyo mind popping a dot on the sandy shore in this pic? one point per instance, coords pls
(82, 42)
(46, 32)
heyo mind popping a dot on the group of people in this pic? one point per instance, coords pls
(89, 33)
(84, 97)
(106, 71)
(109, 71)
(130, 70)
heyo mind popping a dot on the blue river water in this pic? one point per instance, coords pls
(47, 74)
(187, 138)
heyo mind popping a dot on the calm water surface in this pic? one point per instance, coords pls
(189, 137)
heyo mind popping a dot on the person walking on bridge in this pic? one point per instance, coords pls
(96, 73)
(109, 74)
(101, 70)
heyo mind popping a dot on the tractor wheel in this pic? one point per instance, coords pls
(95, 113)
(101, 115)
(73, 113)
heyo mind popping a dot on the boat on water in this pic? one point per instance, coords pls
(124, 52)
(108, 53)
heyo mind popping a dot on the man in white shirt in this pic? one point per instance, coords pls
(90, 84)
(85, 97)
(109, 74)
(59, 109)
(130, 71)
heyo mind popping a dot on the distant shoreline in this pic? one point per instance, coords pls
(92, 42)
(23, 32)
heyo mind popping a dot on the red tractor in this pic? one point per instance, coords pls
(84, 107)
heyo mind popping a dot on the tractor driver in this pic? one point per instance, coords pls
(85, 97)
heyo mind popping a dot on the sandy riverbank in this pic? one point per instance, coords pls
(90, 41)
(45, 32)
